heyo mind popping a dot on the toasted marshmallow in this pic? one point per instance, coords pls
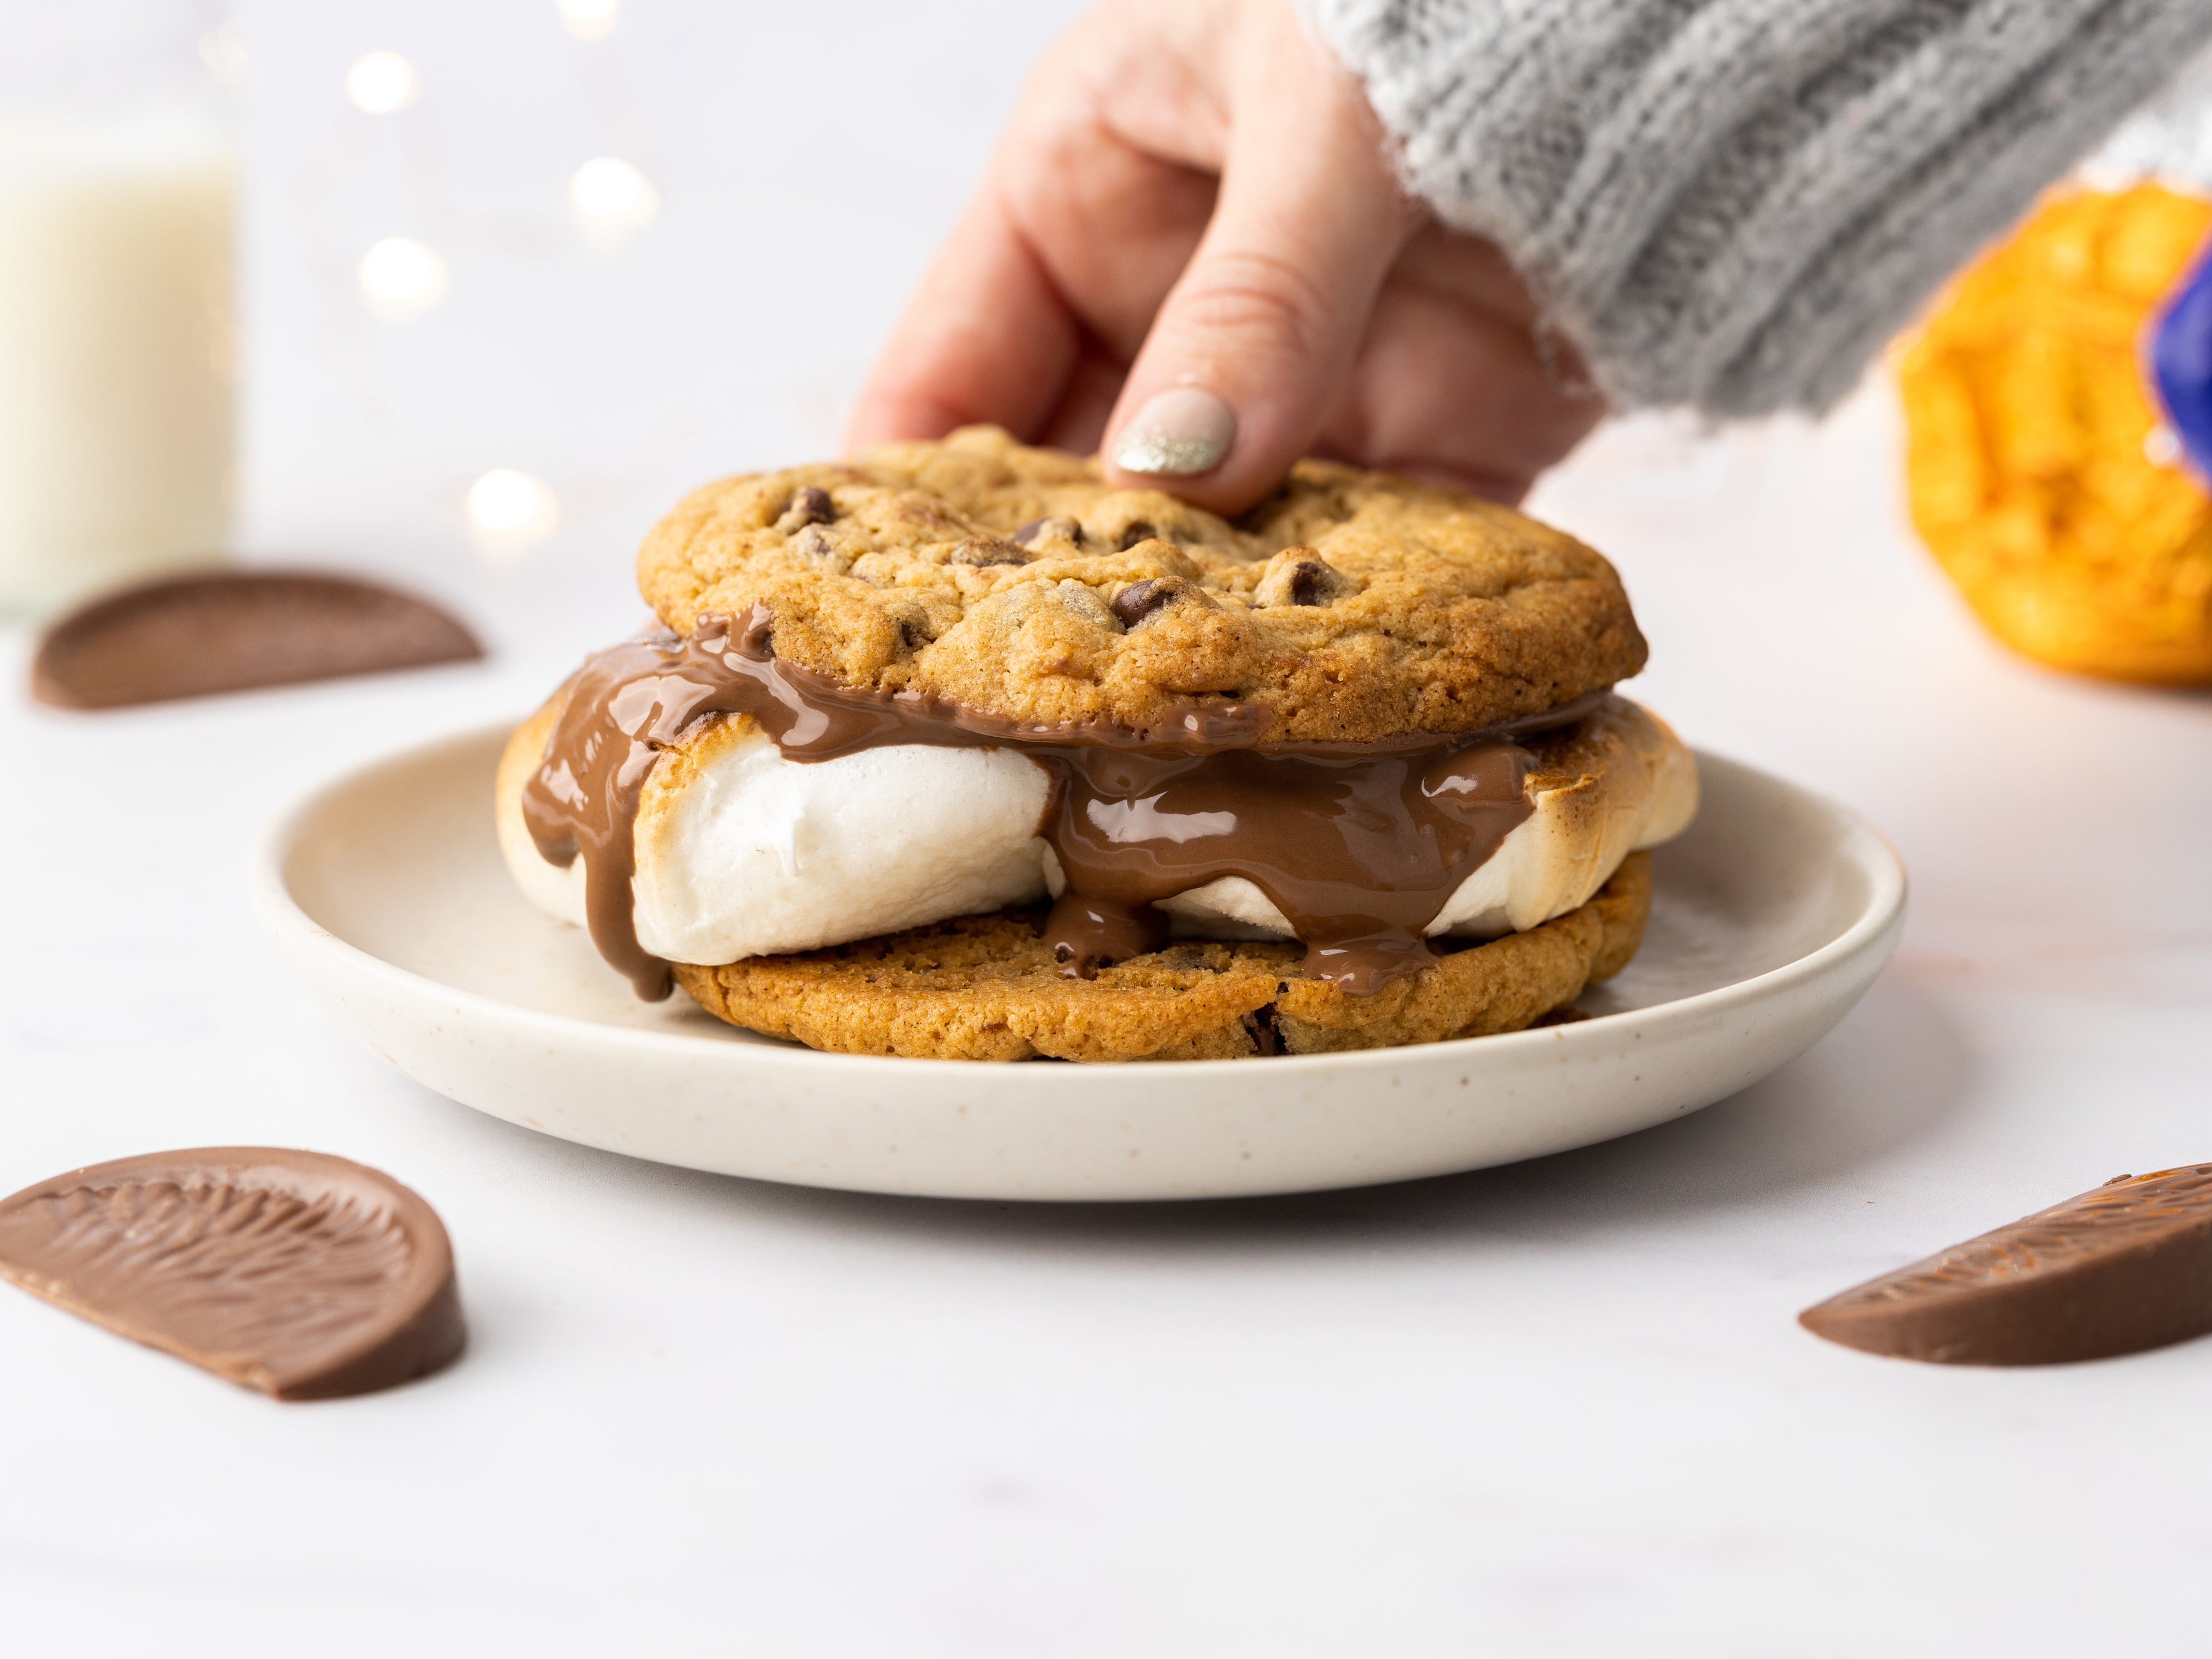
(742, 853)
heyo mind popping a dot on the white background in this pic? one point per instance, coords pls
(1558, 1408)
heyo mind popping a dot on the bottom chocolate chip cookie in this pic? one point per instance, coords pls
(986, 987)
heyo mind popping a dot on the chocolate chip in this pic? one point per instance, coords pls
(986, 551)
(1139, 600)
(1299, 576)
(1038, 529)
(808, 505)
(1132, 534)
(1266, 1036)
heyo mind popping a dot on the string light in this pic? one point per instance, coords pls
(610, 197)
(401, 279)
(382, 82)
(590, 21)
(509, 508)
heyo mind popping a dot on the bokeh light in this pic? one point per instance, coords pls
(401, 279)
(508, 507)
(610, 197)
(590, 21)
(382, 82)
(222, 49)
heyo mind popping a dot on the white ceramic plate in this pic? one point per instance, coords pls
(386, 895)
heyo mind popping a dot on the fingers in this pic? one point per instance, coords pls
(1299, 304)
(1452, 383)
(986, 337)
(1086, 401)
(1093, 204)
(1113, 225)
(1255, 342)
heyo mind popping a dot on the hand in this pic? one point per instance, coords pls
(1190, 245)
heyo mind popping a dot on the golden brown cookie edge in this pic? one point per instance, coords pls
(1141, 1010)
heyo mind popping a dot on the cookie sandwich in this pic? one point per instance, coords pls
(953, 750)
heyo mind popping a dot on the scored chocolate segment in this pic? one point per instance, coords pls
(305, 1276)
(2125, 1268)
(234, 630)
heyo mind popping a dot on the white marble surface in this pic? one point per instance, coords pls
(1558, 1408)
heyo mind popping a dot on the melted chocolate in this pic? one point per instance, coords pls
(1358, 845)
(1359, 852)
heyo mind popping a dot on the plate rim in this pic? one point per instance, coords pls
(281, 913)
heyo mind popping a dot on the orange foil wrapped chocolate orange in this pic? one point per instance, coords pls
(2040, 468)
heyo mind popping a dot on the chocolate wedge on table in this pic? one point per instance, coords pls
(214, 631)
(303, 1275)
(2119, 1270)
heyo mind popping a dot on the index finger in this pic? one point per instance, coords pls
(986, 337)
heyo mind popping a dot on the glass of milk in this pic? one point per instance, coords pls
(118, 186)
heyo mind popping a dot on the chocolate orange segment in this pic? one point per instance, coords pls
(235, 630)
(302, 1275)
(2123, 1268)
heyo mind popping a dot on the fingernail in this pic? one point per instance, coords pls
(1181, 433)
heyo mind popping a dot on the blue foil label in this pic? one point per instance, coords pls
(2181, 364)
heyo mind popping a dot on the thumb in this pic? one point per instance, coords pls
(1255, 342)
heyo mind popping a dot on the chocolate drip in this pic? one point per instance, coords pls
(627, 704)
(624, 706)
(1086, 932)
(1358, 845)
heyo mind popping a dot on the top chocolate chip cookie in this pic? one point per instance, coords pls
(1347, 606)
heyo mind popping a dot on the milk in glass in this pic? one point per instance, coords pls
(117, 201)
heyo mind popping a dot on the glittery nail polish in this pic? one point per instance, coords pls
(1182, 432)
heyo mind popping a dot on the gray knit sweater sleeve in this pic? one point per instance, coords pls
(1733, 203)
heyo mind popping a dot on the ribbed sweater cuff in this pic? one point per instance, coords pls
(1733, 204)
